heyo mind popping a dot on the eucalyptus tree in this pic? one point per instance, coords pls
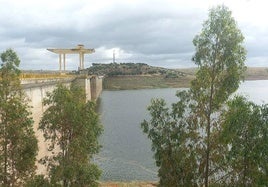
(18, 144)
(194, 124)
(70, 125)
(263, 148)
(220, 57)
(245, 131)
(172, 142)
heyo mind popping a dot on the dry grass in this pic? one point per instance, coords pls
(159, 81)
(145, 82)
(252, 73)
(256, 73)
(189, 71)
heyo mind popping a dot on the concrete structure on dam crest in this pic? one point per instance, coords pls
(80, 49)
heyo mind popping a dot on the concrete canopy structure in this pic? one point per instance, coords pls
(78, 50)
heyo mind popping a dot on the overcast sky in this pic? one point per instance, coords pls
(157, 32)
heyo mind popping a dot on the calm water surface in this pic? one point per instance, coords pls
(126, 154)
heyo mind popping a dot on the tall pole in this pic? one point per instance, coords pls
(113, 56)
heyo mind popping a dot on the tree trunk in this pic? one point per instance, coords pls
(207, 154)
(208, 130)
(5, 155)
(5, 163)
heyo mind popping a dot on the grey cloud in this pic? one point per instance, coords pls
(159, 34)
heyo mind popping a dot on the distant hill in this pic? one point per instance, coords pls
(116, 69)
(252, 73)
(256, 73)
(120, 76)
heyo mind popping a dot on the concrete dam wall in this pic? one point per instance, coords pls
(36, 90)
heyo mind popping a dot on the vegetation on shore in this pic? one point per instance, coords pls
(123, 76)
(127, 76)
(209, 138)
(115, 69)
(18, 144)
(70, 125)
(205, 139)
(147, 81)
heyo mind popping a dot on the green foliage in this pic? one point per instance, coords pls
(18, 143)
(263, 180)
(115, 69)
(38, 181)
(71, 126)
(245, 133)
(220, 56)
(193, 128)
(171, 75)
(171, 137)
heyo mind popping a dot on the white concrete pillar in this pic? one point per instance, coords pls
(83, 60)
(80, 61)
(60, 62)
(64, 61)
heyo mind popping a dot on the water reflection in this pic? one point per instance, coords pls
(126, 154)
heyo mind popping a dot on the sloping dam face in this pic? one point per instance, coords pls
(36, 90)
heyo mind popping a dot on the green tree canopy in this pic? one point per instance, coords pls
(71, 126)
(17, 140)
(171, 135)
(220, 57)
(245, 130)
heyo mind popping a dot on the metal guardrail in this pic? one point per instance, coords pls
(45, 76)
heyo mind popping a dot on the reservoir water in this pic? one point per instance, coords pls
(126, 153)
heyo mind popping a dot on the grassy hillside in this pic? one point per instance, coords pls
(126, 76)
(116, 69)
(252, 73)
(145, 81)
(257, 73)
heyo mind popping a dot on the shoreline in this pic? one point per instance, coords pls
(137, 82)
(145, 183)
